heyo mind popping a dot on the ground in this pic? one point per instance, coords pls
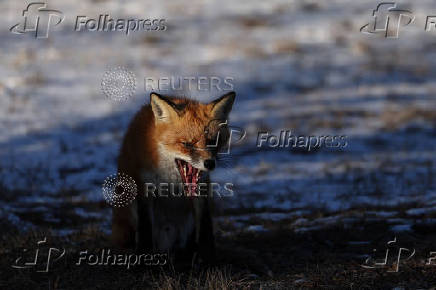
(332, 258)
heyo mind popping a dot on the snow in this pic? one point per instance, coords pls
(308, 71)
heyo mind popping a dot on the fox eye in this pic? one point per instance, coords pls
(188, 145)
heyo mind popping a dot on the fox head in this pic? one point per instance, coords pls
(191, 133)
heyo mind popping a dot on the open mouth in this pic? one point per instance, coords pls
(190, 176)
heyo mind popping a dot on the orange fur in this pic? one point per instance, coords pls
(166, 123)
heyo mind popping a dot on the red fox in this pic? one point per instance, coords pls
(172, 140)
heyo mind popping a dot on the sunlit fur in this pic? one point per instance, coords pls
(156, 136)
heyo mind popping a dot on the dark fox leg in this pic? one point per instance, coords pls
(124, 227)
(145, 226)
(206, 243)
(201, 248)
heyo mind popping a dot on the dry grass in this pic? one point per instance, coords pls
(207, 279)
(277, 259)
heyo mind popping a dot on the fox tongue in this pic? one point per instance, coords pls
(182, 170)
(191, 180)
(189, 175)
(189, 170)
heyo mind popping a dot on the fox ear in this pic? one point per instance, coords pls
(222, 106)
(163, 109)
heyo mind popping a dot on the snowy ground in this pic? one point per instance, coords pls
(296, 65)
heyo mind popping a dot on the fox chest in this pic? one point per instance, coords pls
(171, 213)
